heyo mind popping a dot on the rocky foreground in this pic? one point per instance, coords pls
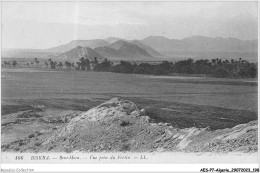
(119, 125)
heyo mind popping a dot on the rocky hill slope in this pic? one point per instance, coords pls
(124, 50)
(78, 52)
(83, 43)
(119, 125)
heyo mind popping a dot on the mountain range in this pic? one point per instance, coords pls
(118, 50)
(200, 44)
(148, 49)
(83, 43)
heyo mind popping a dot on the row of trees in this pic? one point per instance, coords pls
(215, 67)
(83, 64)
(10, 63)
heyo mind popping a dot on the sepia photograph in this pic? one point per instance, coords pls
(130, 82)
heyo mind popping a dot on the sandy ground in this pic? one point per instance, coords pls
(118, 125)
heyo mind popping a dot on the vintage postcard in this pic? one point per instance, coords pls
(168, 86)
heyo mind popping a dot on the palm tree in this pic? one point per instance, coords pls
(7, 63)
(87, 63)
(227, 61)
(60, 65)
(81, 59)
(36, 61)
(14, 63)
(95, 61)
(213, 61)
(78, 66)
(82, 63)
(68, 65)
(219, 62)
(240, 59)
(52, 64)
(46, 64)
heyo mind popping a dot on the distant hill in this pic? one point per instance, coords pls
(78, 52)
(83, 43)
(26, 53)
(148, 49)
(152, 48)
(124, 50)
(200, 45)
(128, 49)
(113, 39)
(219, 44)
(108, 52)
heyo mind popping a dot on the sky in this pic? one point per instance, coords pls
(39, 25)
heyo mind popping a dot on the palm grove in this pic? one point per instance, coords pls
(215, 67)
